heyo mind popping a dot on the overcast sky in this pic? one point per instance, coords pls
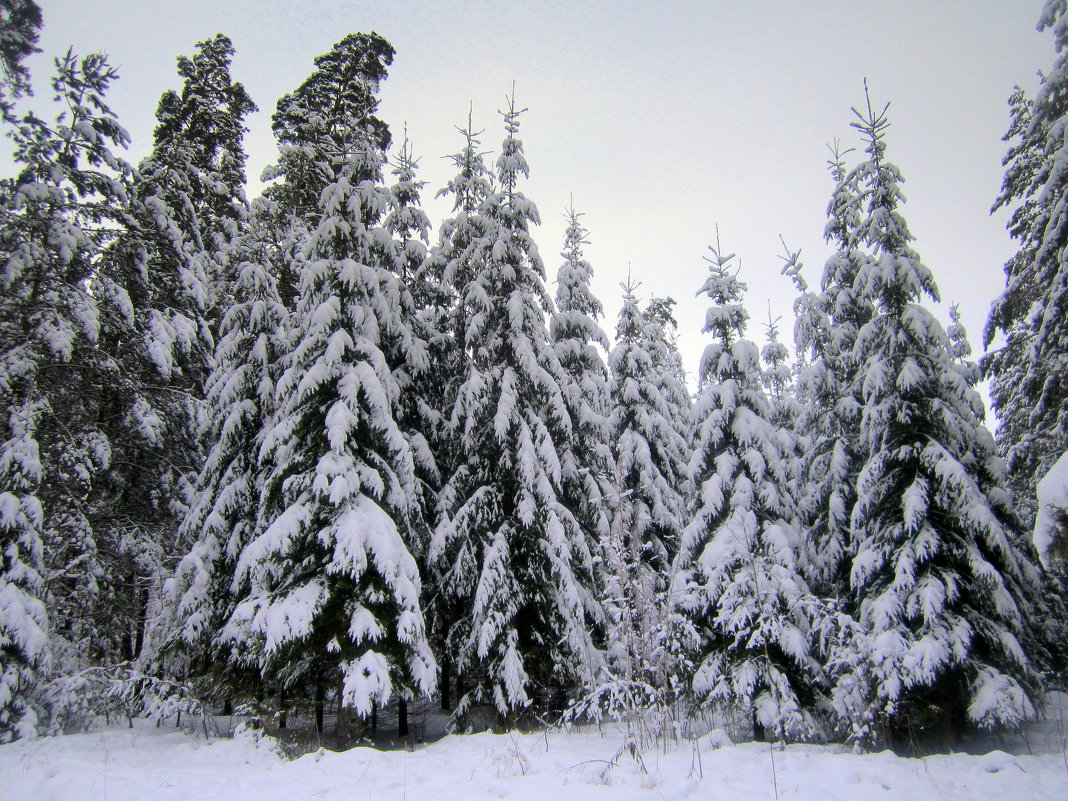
(661, 119)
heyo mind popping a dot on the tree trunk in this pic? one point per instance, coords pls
(759, 735)
(141, 599)
(444, 687)
(402, 718)
(341, 729)
(320, 705)
(283, 710)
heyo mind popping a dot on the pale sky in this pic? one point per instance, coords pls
(661, 119)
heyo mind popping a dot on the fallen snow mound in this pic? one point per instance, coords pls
(149, 763)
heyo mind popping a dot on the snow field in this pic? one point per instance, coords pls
(121, 764)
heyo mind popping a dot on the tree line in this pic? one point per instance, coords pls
(297, 449)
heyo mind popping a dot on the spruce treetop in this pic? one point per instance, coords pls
(473, 181)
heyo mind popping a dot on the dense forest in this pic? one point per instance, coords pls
(313, 452)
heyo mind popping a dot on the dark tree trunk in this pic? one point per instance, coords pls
(141, 599)
(759, 735)
(341, 729)
(444, 686)
(402, 718)
(320, 705)
(283, 708)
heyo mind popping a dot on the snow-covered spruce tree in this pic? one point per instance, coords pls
(508, 547)
(448, 266)
(334, 588)
(419, 413)
(810, 324)
(1051, 526)
(737, 587)
(23, 637)
(24, 651)
(197, 164)
(826, 332)
(661, 340)
(57, 214)
(1030, 370)
(587, 464)
(410, 359)
(961, 348)
(941, 580)
(225, 514)
(786, 410)
(1010, 314)
(778, 378)
(648, 512)
(408, 223)
(810, 334)
(451, 265)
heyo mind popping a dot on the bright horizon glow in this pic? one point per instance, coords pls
(662, 123)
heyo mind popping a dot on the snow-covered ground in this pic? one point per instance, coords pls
(146, 763)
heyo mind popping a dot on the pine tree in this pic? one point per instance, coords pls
(157, 347)
(737, 582)
(1030, 371)
(154, 349)
(60, 210)
(334, 589)
(508, 546)
(197, 164)
(941, 577)
(20, 27)
(332, 112)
